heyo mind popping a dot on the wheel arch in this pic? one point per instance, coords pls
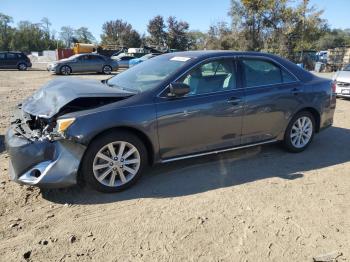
(315, 113)
(141, 135)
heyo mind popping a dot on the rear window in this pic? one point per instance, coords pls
(258, 72)
(12, 56)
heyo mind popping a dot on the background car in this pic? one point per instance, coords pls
(14, 60)
(83, 63)
(122, 60)
(136, 61)
(342, 82)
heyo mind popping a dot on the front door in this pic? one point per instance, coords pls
(208, 118)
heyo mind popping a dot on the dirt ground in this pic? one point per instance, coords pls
(259, 204)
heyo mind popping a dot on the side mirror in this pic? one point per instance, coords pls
(178, 89)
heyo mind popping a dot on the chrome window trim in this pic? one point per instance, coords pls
(235, 58)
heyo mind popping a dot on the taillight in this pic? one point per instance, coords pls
(334, 86)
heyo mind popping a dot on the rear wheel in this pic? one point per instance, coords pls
(300, 132)
(107, 70)
(114, 162)
(65, 70)
(22, 67)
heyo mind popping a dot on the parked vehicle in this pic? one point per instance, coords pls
(123, 60)
(172, 107)
(342, 82)
(14, 60)
(136, 61)
(83, 63)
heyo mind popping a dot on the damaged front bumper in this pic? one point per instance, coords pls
(41, 162)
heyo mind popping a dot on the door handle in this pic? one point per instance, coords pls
(234, 100)
(296, 91)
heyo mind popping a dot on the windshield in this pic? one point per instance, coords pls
(347, 68)
(148, 74)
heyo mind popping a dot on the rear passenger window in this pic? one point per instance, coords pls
(259, 72)
(2, 56)
(11, 56)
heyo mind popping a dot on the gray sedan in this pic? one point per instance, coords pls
(175, 106)
(83, 63)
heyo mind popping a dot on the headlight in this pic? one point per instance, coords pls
(63, 124)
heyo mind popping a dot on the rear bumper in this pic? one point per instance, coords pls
(343, 90)
(43, 163)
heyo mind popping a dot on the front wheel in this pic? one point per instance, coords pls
(107, 70)
(300, 132)
(65, 70)
(114, 162)
(22, 67)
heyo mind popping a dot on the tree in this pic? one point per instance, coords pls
(277, 26)
(83, 35)
(177, 37)
(66, 35)
(5, 31)
(156, 29)
(120, 33)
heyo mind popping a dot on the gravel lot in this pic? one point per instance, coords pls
(258, 204)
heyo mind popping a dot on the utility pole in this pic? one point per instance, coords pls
(305, 3)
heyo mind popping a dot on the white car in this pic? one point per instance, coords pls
(342, 81)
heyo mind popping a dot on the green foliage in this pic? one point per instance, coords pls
(83, 35)
(120, 33)
(26, 36)
(174, 34)
(156, 29)
(277, 26)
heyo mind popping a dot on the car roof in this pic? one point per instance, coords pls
(299, 72)
(15, 52)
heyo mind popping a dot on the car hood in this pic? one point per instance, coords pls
(49, 99)
(343, 76)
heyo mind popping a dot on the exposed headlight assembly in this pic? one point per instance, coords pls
(63, 124)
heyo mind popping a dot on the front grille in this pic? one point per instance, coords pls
(343, 84)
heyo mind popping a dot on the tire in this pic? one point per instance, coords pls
(65, 70)
(300, 132)
(107, 70)
(110, 174)
(22, 67)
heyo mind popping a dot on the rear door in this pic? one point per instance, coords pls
(11, 60)
(271, 96)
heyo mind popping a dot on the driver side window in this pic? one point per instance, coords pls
(211, 77)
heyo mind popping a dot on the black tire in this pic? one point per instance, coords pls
(22, 67)
(100, 142)
(65, 70)
(288, 144)
(107, 70)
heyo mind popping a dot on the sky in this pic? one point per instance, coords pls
(200, 14)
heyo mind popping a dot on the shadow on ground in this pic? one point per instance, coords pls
(230, 169)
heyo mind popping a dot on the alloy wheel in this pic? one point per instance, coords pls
(116, 163)
(65, 70)
(22, 67)
(107, 70)
(301, 132)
